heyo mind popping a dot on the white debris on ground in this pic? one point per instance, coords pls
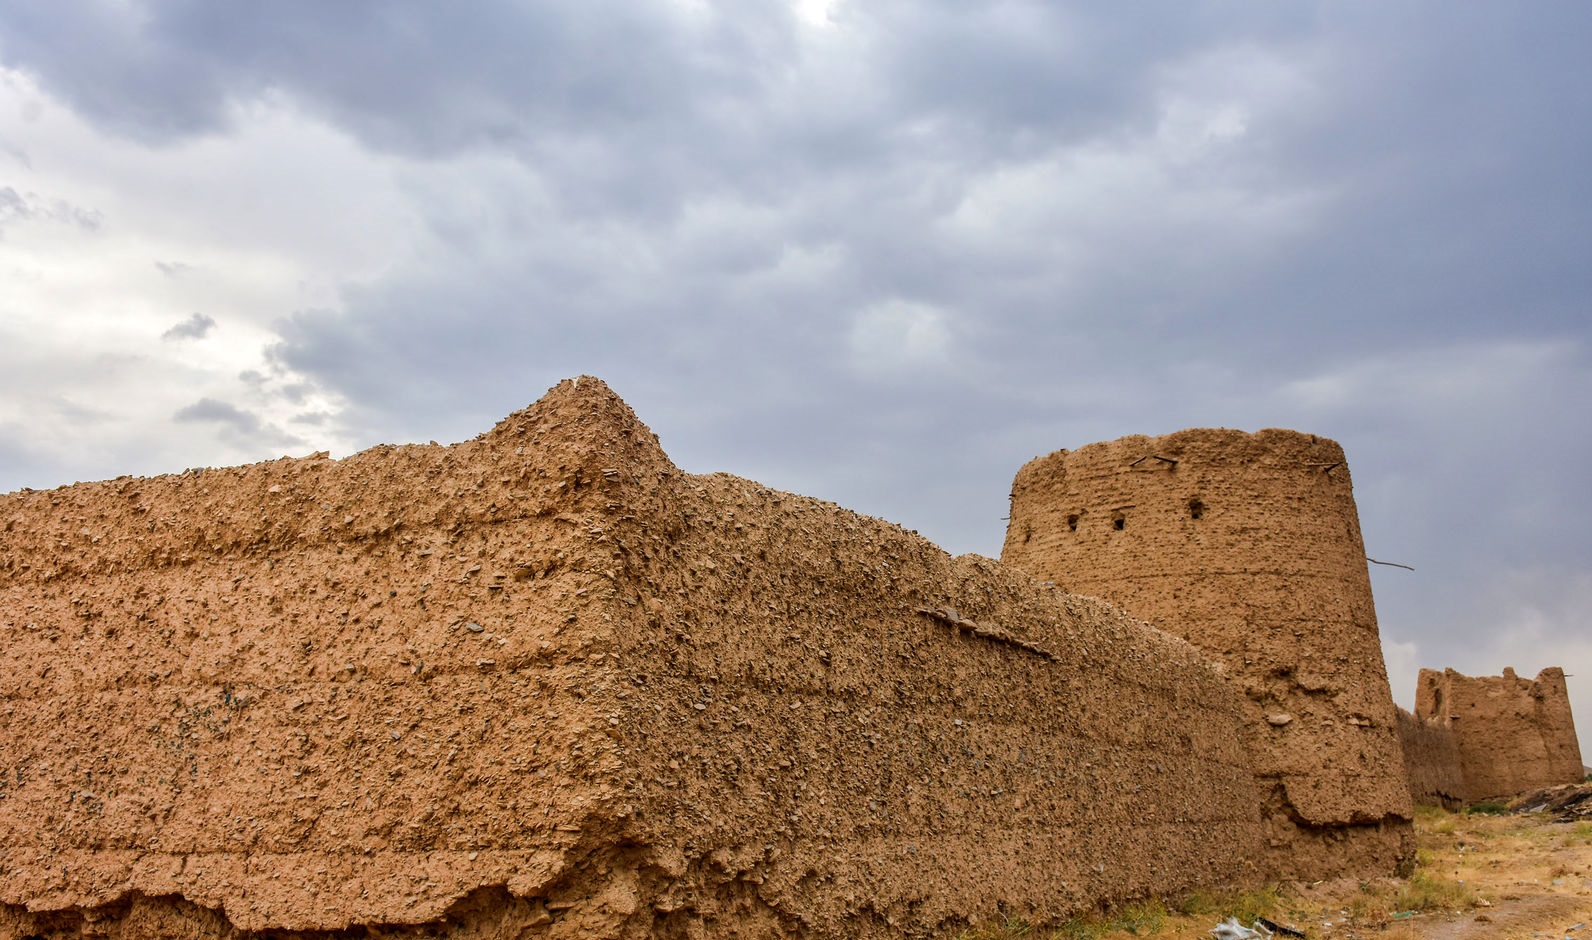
(1231, 929)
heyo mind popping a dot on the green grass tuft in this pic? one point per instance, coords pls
(1141, 918)
(1427, 892)
(1431, 814)
(1246, 905)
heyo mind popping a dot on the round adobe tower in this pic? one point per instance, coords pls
(1249, 547)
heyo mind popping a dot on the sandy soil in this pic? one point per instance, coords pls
(1531, 877)
(1480, 876)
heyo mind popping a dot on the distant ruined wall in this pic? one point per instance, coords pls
(1431, 761)
(1248, 546)
(1510, 735)
(543, 683)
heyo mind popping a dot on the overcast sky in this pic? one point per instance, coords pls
(876, 251)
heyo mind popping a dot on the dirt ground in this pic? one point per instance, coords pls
(1498, 877)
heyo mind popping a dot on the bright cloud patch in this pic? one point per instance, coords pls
(107, 255)
(897, 335)
(1404, 664)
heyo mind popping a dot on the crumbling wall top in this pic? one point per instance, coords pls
(1512, 734)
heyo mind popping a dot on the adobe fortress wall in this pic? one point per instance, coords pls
(1431, 761)
(1505, 735)
(543, 683)
(1248, 546)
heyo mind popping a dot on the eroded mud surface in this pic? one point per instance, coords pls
(543, 683)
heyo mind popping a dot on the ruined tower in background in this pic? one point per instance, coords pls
(1510, 735)
(1249, 547)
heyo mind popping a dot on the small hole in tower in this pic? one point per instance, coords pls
(1196, 508)
(1119, 522)
(1072, 523)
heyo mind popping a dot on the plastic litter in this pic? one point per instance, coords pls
(1276, 928)
(1231, 929)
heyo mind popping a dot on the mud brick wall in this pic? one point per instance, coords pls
(1510, 734)
(1249, 547)
(543, 683)
(1431, 761)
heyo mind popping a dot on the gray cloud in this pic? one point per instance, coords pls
(19, 207)
(197, 326)
(634, 108)
(238, 426)
(66, 410)
(1319, 234)
(1362, 221)
(12, 205)
(219, 412)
